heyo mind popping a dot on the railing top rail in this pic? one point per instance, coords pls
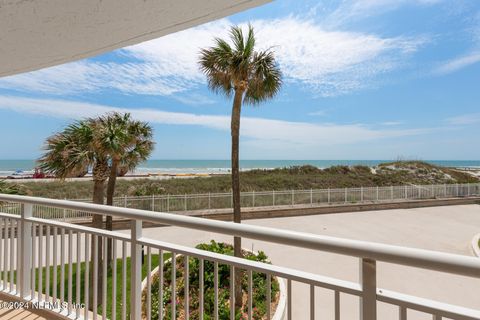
(445, 262)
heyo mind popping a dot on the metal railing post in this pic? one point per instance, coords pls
(253, 198)
(328, 195)
(125, 201)
(25, 236)
(185, 202)
(368, 278)
(457, 190)
(391, 192)
(168, 202)
(361, 194)
(273, 196)
(209, 201)
(345, 195)
(293, 198)
(377, 193)
(406, 193)
(153, 202)
(136, 275)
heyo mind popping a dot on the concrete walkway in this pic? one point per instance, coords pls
(447, 229)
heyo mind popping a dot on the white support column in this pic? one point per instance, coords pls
(25, 234)
(136, 269)
(368, 278)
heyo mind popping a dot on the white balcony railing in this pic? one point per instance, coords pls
(37, 259)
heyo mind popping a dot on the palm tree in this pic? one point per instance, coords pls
(249, 76)
(72, 150)
(127, 143)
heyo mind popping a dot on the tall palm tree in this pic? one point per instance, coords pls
(251, 77)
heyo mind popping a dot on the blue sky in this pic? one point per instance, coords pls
(363, 79)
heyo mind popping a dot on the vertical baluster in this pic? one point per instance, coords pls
(54, 276)
(70, 273)
(160, 284)
(232, 293)
(215, 286)
(174, 285)
(114, 279)
(289, 299)
(34, 259)
(6, 255)
(62, 265)
(104, 277)
(269, 296)
(2, 239)
(187, 288)
(40, 262)
(337, 305)
(402, 313)
(86, 295)
(149, 282)
(124, 280)
(12, 252)
(250, 294)
(312, 302)
(95, 276)
(47, 269)
(78, 271)
(201, 280)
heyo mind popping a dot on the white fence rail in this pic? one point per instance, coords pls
(47, 261)
(313, 197)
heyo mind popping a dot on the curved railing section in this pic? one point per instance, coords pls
(61, 265)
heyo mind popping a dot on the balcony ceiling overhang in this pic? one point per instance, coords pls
(35, 34)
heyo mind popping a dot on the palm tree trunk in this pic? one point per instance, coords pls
(112, 179)
(100, 172)
(237, 215)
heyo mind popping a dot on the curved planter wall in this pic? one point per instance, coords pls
(475, 245)
(280, 312)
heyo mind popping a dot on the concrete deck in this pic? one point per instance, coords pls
(448, 229)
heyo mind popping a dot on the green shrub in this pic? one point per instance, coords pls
(259, 281)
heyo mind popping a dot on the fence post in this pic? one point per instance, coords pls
(185, 202)
(293, 199)
(253, 198)
(168, 202)
(64, 212)
(25, 236)
(328, 195)
(345, 195)
(361, 194)
(468, 189)
(445, 189)
(209, 201)
(273, 197)
(377, 193)
(406, 193)
(457, 191)
(136, 267)
(125, 201)
(153, 202)
(391, 192)
(368, 278)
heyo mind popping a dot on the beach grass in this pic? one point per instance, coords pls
(302, 177)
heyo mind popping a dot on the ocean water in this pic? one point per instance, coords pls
(7, 167)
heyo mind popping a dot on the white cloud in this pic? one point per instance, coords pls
(266, 130)
(465, 119)
(350, 11)
(457, 63)
(327, 62)
(391, 123)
